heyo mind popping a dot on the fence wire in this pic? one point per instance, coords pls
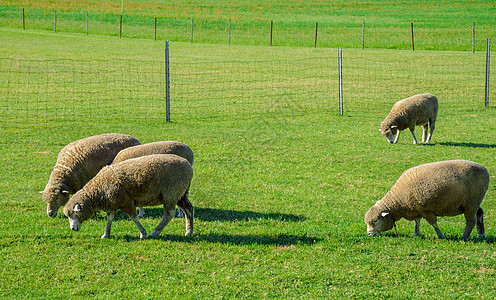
(80, 91)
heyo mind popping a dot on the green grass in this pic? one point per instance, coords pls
(438, 25)
(281, 184)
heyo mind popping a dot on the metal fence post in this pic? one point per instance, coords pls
(413, 40)
(167, 83)
(363, 35)
(316, 33)
(473, 38)
(271, 27)
(340, 63)
(488, 55)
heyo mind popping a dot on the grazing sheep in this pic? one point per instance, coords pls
(408, 113)
(160, 179)
(166, 147)
(80, 161)
(445, 188)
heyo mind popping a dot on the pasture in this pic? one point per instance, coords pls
(280, 187)
(438, 25)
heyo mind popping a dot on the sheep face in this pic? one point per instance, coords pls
(389, 132)
(55, 198)
(378, 221)
(75, 216)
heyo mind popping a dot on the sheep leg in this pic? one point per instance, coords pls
(169, 214)
(424, 133)
(140, 227)
(469, 226)
(432, 125)
(432, 219)
(397, 137)
(179, 213)
(110, 217)
(188, 209)
(470, 218)
(417, 227)
(438, 231)
(480, 224)
(412, 130)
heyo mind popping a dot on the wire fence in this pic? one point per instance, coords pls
(77, 90)
(80, 91)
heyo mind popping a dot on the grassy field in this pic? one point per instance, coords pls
(438, 25)
(280, 188)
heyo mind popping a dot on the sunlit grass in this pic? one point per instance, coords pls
(281, 182)
(437, 26)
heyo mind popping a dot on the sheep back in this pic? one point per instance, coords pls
(165, 147)
(81, 160)
(159, 179)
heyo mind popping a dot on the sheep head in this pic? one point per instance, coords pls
(55, 198)
(378, 220)
(77, 214)
(389, 132)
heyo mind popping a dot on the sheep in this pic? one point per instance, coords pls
(408, 113)
(143, 181)
(165, 147)
(80, 161)
(445, 188)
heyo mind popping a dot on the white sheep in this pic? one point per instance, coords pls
(445, 188)
(160, 179)
(408, 113)
(164, 147)
(80, 161)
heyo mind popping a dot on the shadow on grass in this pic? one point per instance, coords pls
(470, 145)
(489, 239)
(212, 214)
(284, 240)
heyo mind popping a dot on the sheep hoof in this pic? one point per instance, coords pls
(189, 233)
(142, 236)
(105, 236)
(154, 234)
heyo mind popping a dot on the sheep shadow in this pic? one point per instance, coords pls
(470, 145)
(240, 240)
(489, 239)
(213, 214)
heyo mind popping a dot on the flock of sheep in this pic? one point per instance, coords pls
(111, 172)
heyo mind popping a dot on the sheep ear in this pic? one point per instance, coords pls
(385, 213)
(77, 207)
(380, 130)
(65, 192)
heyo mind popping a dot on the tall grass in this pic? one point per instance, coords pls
(279, 197)
(445, 25)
